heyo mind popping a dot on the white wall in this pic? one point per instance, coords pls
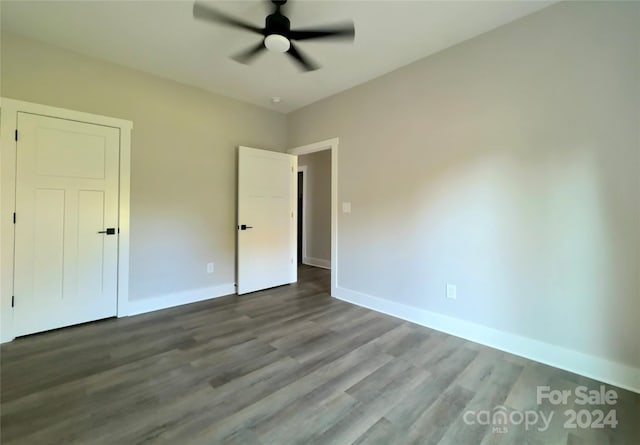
(184, 151)
(317, 208)
(507, 165)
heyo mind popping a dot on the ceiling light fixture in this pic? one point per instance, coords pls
(277, 43)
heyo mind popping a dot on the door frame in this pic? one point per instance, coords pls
(303, 236)
(329, 144)
(9, 109)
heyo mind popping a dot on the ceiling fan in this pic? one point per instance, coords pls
(277, 33)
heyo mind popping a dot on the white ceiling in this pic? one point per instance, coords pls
(162, 38)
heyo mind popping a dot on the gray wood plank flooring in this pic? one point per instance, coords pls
(288, 365)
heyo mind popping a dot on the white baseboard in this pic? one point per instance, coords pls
(317, 262)
(596, 368)
(136, 307)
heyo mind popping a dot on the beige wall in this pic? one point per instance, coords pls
(507, 165)
(183, 157)
(318, 206)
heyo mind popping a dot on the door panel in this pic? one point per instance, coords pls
(48, 245)
(90, 246)
(266, 205)
(68, 154)
(66, 192)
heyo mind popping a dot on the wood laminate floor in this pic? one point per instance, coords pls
(282, 366)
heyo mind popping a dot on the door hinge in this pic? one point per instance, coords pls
(14, 217)
(13, 300)
(16, 134)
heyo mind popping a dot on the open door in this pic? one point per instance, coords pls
(267, 193)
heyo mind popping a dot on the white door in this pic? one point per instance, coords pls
(66, 195)
(267, 183)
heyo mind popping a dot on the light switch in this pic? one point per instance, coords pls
(451, 291)
(346, 207)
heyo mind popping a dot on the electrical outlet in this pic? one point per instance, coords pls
(451, 291)
(210, 267)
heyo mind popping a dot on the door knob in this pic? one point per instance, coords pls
(245, 227)
(109, 231)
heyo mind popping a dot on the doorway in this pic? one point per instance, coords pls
(301, 172)
(332, 145)
(315, 194)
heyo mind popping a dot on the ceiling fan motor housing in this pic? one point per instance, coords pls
(277, 23)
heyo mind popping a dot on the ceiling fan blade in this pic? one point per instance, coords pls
(304, 62)
(203, 12)
(246, 56)
(345, 31)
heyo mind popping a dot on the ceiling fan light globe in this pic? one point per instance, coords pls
(277, 43)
